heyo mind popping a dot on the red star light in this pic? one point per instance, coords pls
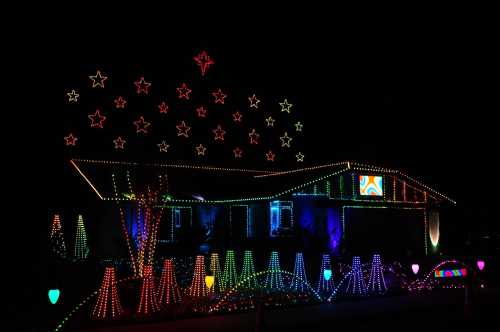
(96, 119)
(183, 129)
(142, 86)
(120, 102)
(237, 116)
(254, 101)
(70, 140)
(163, 108)
(204, 61)
(270, 156)
(200, 149)
(254, 137)
(219, 133)
(202, 112)
(184, 91)
(238, 153)
(119, 143)
(141, 125)
(98, 80)
(219, 96)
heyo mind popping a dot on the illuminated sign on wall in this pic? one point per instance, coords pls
(450, 273)
(370, 185)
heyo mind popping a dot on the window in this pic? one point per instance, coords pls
(281, 218)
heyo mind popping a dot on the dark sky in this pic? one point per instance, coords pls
(423, 92)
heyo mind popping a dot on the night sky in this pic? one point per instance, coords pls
(410, 100)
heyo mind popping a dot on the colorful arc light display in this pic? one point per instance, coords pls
(450, 273)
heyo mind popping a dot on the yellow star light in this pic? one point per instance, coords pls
(200, 149)
(285, 106)
(300, 157)
(163, 146)
(298, 126)
(98, 80)
(270, 121)
(72, 96)
(285, 140)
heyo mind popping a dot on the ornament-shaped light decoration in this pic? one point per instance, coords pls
(415, 268)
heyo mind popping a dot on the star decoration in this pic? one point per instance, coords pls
(97, 120)
(183, 129)
(142, 86)
(270, 156)
(254, 101)
(72, 96)
(120, 102)
(300, 157)
(141, 125)
(237, 116)
(200, 149)
(163, 108)
(119, 143)
(285, 140)
(98, 80)
(202, 112)
(184, 91)
(204, 61)
(254, 137)
(70, 140)
(219, 96)
(163, 146)
(219, 133)
(270, 121)
(285, 106)
(298, 126)
(238, 153)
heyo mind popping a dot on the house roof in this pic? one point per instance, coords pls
(116, 180)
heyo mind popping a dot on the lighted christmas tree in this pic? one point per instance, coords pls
(274, 279)
(299, 272)
(356, 285)
(325, 282)
(81, 249)
(216, 272)
(198, 286)
(57, 238)
(376, 282)
(108, 303)
(248, 271)
(148, 303)
(169, 291)
(229, 278)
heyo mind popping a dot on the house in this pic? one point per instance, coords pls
(337, 208)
